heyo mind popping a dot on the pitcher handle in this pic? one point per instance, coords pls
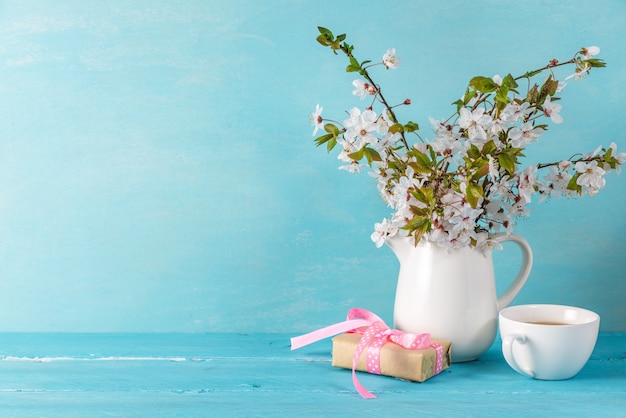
(524, 271)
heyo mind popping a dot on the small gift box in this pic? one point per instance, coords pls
(371, 346)
(416, 365)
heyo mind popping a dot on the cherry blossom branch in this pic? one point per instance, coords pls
(467, 182)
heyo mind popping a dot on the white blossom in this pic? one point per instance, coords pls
(383, 230)
(360, 126)
(316, 119)
(521, 137)
(552, 110)
(384, 122)
(580, 72)
(475, 123)
(494, 168)
(565, 165)
(590, 51)
(591, 176)
(500, 124)
(556, 181)
(485, 244)
(526, 183)
(620, 157)
(353, 168)
(362, 88)
(464, 223)
(516, 112)
(390, 59)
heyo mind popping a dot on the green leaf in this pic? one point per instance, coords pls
(422, 163)
(502, 97)
(357, 155)
(323, 30)
(489, 148)
(396, 128)
(411, 127)
(473, 193)
(417, 222)
(533, 94)
(331, 129)
(548, 89)
(323, 139)
(418, 234)
(433, 154)
(609, 159)
(415, 210)
(507, 162)
(420, 168)
(429, 193)
(354, 66)
(573, 185)
(510, 82)
(473, 152)
(459, 104)
(482, 170)
(595, 62)
(424, 195)
(331, 144)
(372, 155)
(483, 84)
(325, 37)
(347, 48)
(323, 40)
(418, 226)
(469, 94)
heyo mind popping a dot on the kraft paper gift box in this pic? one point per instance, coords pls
(395, 361)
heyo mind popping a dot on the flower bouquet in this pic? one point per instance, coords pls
(467, 182)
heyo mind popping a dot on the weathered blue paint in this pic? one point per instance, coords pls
(157, 171)
(256, 375)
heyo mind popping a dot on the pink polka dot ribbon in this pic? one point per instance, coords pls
(375, 334)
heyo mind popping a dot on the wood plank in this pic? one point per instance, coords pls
(257, 375)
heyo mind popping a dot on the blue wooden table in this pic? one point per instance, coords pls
(257, 375)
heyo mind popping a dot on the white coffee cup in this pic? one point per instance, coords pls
(548, 342)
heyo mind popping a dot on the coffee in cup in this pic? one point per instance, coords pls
(548, 342)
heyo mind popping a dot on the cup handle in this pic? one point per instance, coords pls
(507, 350)
(524, 271)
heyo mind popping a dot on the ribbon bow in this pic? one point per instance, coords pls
(375, 333)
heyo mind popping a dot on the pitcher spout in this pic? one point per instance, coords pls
(400, 244)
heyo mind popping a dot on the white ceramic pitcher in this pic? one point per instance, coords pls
(452, 295)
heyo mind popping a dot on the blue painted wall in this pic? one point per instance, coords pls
(157, 170)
